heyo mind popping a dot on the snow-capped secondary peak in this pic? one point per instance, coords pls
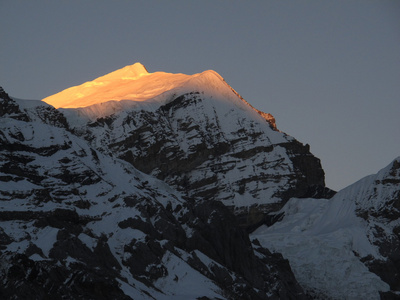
(130, 72)
(135, 83)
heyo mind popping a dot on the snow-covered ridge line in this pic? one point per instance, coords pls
(138, 88)
(268, 117)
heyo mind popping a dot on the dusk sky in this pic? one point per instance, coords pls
(328, 71)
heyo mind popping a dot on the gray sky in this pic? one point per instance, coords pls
(329, 71)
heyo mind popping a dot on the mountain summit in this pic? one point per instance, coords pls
(135, 83)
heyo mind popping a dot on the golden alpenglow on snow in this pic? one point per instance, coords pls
(132, 82)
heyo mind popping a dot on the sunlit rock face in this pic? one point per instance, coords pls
(198, 135)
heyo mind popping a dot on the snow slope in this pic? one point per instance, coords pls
(327, 240)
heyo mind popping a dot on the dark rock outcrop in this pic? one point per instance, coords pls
(10, 108)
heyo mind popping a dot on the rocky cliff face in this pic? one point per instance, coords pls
(378, 203)
(77, 223)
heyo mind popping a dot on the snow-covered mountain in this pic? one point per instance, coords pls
(141, 185)
(198, 135)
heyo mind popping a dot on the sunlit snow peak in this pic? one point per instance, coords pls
(135, 83)
(131, 72)
(104, 88)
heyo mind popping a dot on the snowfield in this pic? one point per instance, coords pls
(325, 239)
